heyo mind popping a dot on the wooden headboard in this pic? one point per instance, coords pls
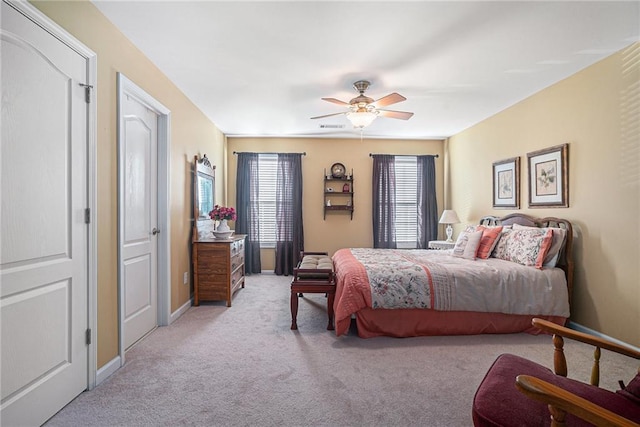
(565, 259)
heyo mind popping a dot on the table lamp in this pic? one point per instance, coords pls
(449, 217)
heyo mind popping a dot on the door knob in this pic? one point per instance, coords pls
(155, 231)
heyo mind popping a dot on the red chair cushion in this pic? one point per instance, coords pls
(499, 403)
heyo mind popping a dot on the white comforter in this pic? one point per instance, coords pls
(437, 280)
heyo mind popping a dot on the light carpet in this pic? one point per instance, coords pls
(244, 366)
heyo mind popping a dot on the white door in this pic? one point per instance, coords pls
(44, 237)
(139, 216)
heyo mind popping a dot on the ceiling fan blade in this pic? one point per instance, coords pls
(329, 115)
(336, 101)
(392, 98)
(402, 115)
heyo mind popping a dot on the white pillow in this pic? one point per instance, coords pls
(467, 244)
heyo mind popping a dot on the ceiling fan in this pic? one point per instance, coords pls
(363, 110)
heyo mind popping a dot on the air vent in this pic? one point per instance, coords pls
(331, 126)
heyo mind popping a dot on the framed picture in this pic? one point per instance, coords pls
(506, 183)
(549, 177)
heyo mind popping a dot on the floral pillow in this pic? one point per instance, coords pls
(525, 246)
(557, 243)
(467, 244)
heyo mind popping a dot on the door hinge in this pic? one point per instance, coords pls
(88, 336)
(87, 216)
(87, 92)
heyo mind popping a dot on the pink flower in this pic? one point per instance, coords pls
(221, 212)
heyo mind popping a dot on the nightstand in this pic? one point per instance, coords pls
(441, 244)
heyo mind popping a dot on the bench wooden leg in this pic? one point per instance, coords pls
(294, 310)
(330, 298)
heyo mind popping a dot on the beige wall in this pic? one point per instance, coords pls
(337, 230)
(596, 112)
(191, 133)
(591, 110)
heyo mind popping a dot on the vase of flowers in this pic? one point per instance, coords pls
(222, 214)
(223, 226)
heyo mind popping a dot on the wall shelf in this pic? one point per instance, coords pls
(338, 194)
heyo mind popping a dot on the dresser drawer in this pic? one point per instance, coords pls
(237, 261)
(237, 279)
(237, 247)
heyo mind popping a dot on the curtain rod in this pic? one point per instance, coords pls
(404, 155)
(251, 152)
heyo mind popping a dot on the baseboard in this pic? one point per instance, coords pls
(179, 312)
(107, 370)
(580, 328)
(114, 364)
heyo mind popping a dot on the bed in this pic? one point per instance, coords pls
(419, 292)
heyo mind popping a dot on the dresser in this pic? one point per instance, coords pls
(218, 268)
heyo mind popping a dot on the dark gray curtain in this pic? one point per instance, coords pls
(427, 204)
(247, 209)
(289, 229)
(384, 201)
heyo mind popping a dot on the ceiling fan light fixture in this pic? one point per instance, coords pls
(362, 110)
(361, 119)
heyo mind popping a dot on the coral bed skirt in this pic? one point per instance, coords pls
(421, 322)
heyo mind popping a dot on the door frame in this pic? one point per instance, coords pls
(126, 86)
(91, 58)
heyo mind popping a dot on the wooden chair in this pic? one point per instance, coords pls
(519, 392)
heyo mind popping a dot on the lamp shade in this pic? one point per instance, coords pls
(361, 119)
(449, 217)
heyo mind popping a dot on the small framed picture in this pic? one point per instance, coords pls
(549, 177)
(506, 183)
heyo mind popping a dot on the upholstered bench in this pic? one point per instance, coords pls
(314, 274)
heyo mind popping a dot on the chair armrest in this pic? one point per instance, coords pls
(550, 394)
(562, 331)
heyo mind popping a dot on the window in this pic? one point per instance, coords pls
(267, 167)
(404, 201)
(406, 173)
(269, 205)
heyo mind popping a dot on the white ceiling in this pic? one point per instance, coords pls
(260, 68)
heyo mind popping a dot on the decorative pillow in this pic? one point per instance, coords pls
(467, 244)
(490, 236)
(525, 246)
(632, 390)
(557, 243)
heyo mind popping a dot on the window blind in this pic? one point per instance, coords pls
(406, 169)
(267, 166)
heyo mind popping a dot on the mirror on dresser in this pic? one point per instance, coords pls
(218, 264)
(204, 184)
